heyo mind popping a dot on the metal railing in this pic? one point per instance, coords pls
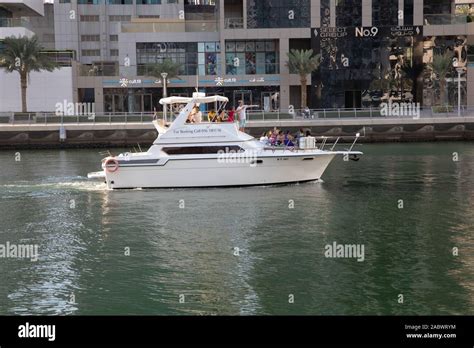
(177, 26)
(358, 113)
(98, 69)
(297, 116)
(15, 22)
(234, 23)
(438, 19)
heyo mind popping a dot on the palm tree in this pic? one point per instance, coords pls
(442, 64)
(303, 63)
(23, 54)
(412, 72)
(167, 66)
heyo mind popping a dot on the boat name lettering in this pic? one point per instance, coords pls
(197, 131)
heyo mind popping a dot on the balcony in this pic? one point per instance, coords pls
(234, 23)
(447, 19)
(62, 58)
(15, 27)
(24, 7)
(175, 26)
(99, 69)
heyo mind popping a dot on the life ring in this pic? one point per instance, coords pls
(111, 165)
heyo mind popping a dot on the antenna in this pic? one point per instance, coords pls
(355, 141)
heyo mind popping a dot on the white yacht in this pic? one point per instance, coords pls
(198, 155)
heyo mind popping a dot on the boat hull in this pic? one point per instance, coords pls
(201, 173)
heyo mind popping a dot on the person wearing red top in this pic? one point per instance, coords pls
(231, 116)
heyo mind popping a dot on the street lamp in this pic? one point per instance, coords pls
(460, 71)
(165, 92)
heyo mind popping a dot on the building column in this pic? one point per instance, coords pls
(366, 13)
(99, 95)
(315, 13)
(401, 7)
(418, 13)
(245, 13)
(470, 86)
(284, 75)
(221, 36)
(332, 6)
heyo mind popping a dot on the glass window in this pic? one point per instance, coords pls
(349, 13)
(240, 46)
(408, 11)
(250, 46)
(210, 47)
(194, 57)
(254, 59)
(278, 14)
(260, 46)
(120, 2)
(230, 46)
(148, 2)
(385, 13)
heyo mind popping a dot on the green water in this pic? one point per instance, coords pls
(83, 232)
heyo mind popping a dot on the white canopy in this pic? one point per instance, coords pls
(197, 100)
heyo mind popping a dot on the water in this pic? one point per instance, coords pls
(83, 233)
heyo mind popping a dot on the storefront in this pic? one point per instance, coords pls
(137, 96)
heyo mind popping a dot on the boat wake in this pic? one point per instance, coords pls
(77, 184)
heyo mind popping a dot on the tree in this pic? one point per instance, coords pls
(412, 72)
(442, 64)
(24, 55)
(167, 66)
(303, 63)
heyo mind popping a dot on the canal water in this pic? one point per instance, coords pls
(247, 251)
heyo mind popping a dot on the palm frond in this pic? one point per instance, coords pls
(302, 62)
(442, 64)
(24, 54)
(167, 66)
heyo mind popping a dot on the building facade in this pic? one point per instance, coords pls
(371, 51)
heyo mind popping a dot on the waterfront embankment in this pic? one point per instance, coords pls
(118, 134)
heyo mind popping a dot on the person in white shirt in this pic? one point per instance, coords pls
(196, 114)
(242, 112)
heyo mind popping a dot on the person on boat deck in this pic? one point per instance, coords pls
(264, 138)
(222, 117)
(300, 134)
(289, 139)
(242, 112)
(195, 116)
(273, 138)
(280, 138)
(192, 115)
(190, 119)
(231, 116)
(212, 116)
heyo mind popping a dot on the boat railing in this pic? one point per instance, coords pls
(323, 143)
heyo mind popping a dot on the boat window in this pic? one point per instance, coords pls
(202, 150)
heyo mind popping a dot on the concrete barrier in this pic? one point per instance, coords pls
(84, 134)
